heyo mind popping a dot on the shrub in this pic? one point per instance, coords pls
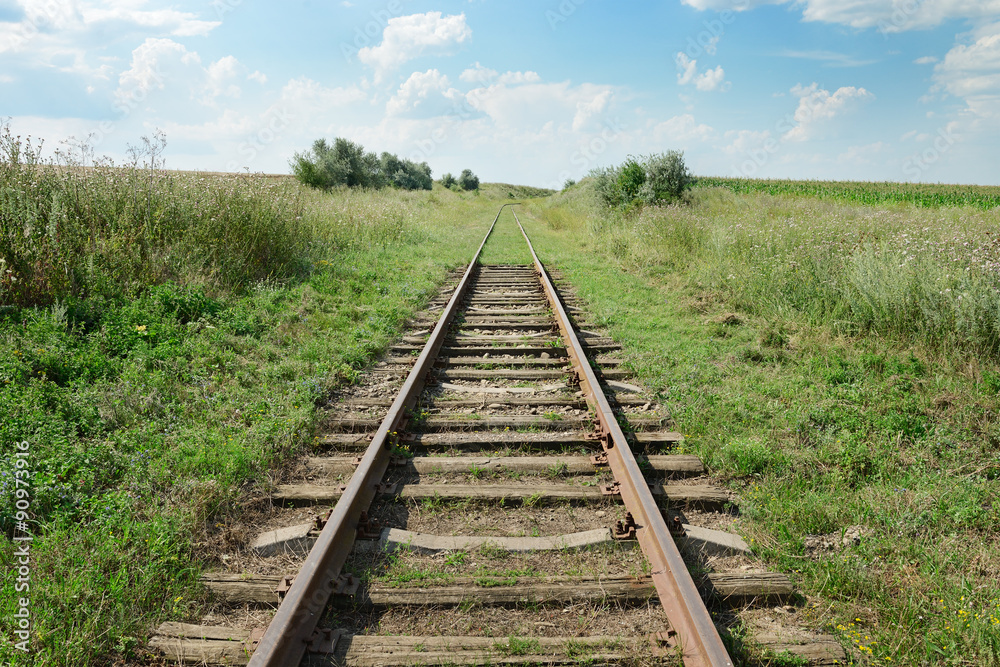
(631, 178)
(667, 177)
(657, 178)
(468, 180)
(448, 180)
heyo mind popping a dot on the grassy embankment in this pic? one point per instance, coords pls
(164, 341)
(837, 365)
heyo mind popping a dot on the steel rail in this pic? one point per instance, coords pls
(696, 634)
(287, 637)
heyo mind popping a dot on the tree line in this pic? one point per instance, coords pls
(346, 163)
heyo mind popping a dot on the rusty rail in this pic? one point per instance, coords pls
(692, 627)
(293, 628)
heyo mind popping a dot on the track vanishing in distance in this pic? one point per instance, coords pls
(503, 372)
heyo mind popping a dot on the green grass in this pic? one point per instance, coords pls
(818, 423)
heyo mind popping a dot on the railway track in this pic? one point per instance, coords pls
(498, 494)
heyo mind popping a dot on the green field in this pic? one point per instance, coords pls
(872, 194)
(166, 340)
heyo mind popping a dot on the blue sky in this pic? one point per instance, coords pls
(520, 91)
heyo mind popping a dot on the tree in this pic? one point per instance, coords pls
(347, 163)
(468, 180)
(448, 180)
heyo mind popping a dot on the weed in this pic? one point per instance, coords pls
(456, 558)
(556, 470)
(518, 646)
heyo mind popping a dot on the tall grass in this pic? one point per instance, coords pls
(903, 272)
(73, 231)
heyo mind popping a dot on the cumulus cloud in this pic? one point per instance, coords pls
(682, 130)
(710, 79)
(971, 72)
(534, 105)
(817, 106)
(484, 76)
(744, 141)
(221, 79)
(151, 63)
(887, 16)
(66, 26)
(587, 109)
(408, 37)
(417, 89)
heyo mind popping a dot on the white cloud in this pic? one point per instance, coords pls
(257, 76)
(832, 58)
(52, 27)
(712, 45)
(221, 79)
(484, 76)
(408, 37)
(533, 105)
(479, 74)
(686, 67)
(152, 62)
(587, 109)
(970, 70)
(687, 72)
(306, 96)
(417, 89)
(514, 78)
(868, 154)
(888, 16)
(712, 79)
(925, 60)
(173, 22)
(744, 141)
(817, 106)
(682, 130)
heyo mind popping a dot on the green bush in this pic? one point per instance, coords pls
(653, 179)
(667, 178)
(468, 181)
(448, 180)
(346, 163)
